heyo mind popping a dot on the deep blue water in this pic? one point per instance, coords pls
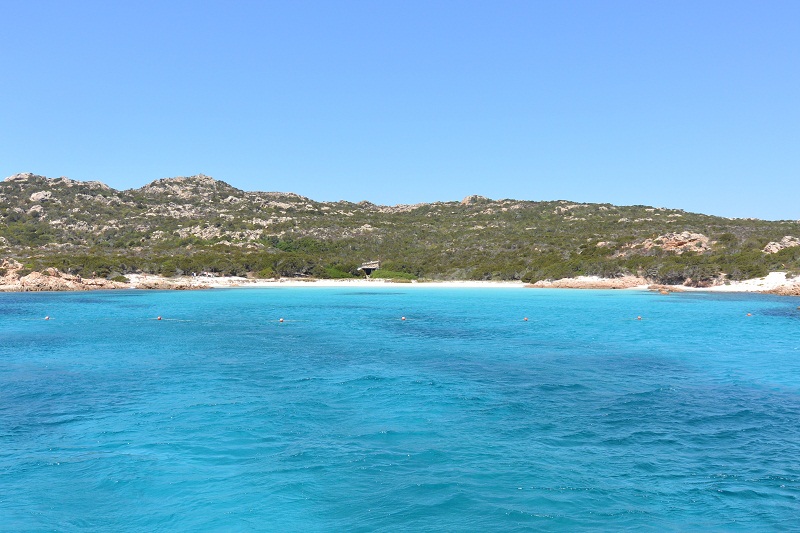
(463, 417)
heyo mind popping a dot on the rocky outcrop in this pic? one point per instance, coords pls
(166, 285)
(22, 177)
(679, 242)
(786, 242)
(474, 199)
(13, 278)
(664, 289)
(36, 281)
(792, 289)
(40, 196)
(9, 272)
(53, 280)
(191, 187)
(28, 178)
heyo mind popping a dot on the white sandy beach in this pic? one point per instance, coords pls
(771, 282)
(775, 281)
(222, 282)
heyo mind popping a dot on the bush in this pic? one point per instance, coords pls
(266, 273)
(393, 275)
(168, 269)
(294, 265)
(335, 273)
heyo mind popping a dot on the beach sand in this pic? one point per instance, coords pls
(53, 280)
(776, 282)
(223, 282)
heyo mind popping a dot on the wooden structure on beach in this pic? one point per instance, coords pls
(369, 267)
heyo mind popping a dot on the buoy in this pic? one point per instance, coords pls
(280, 320)
(749, 314)
(158, 317)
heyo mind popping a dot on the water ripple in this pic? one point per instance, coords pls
(343, 417)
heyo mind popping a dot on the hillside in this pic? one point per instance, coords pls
(198, 224)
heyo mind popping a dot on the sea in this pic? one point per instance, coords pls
(399, 408)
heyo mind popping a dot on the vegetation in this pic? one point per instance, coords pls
(196, 225)
(393, 275)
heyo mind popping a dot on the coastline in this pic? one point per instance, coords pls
(228, 282)
(773, 283)
(54, 280)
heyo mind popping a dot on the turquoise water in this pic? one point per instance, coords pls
(343, 417)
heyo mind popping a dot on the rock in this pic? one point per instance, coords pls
(51, 279)
(40, 196)
(165, 284)
(474, 199)
(786, 291)
(36, 281)
(9, 272)
(206, 233)
(792, 288)
(21, 177)
(677, 243)
(786, 242)
(664, 289)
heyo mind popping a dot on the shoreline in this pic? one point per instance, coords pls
(53, 280)
(773, 283)
(234, 282)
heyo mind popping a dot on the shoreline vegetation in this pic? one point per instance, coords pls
(15, 279)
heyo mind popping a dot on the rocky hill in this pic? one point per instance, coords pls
(199, 224)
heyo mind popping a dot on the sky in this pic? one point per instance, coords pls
(681, 104)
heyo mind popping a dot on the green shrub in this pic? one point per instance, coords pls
(266, 273)
(390, 274)
(335, 273)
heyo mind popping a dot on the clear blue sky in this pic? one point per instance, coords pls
(691, 105)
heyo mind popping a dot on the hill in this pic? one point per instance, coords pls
(199, 224)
